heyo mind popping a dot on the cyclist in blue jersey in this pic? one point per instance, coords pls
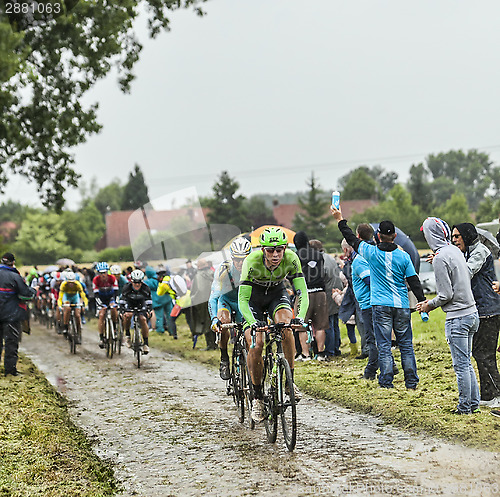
(224, 297)
(390, 268)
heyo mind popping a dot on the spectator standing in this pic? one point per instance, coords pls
(485, 341)
(361, 286)
(349, 307)
(454, 295)
(200, 294)
(390, 269)
(332, 280)
(312, 264)
(13, 291)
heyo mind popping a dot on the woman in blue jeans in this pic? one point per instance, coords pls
(454, 295)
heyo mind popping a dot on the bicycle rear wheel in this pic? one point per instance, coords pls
(286, 404)
(270, 400)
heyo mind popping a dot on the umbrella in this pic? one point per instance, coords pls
(490, 241)
(49, 269)
(404, 241)
(65, 262)
(256, 233)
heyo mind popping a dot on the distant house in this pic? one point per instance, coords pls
(8, 230)
(118, 230)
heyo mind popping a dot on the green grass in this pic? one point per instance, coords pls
(426, 410)
(42, 453)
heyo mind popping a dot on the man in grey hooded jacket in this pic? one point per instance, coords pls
(455, 296)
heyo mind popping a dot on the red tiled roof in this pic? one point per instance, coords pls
(119, 233)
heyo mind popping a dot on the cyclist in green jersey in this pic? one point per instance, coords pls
(262, 290)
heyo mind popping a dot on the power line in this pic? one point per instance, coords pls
(245, 171)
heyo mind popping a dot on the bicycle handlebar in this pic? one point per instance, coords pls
(277, 327)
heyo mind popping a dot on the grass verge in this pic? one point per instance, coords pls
(42, 452)
(426, 410)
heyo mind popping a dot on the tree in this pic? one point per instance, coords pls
(472, 174)
(359, 186)
(225, 206)
(135, 193)
(488, 210)
(46, 70)
(364, 182)
(257, 213)
(314, 217)
(419, 187)
(455, 210)
(41, 238)
(84, 228)
(109, 198)
(399, 208)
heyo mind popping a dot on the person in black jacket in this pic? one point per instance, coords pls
(13, 291)
(312, 263)
(136, 296)
(485, 341)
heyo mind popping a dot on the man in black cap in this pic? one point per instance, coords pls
(390, 269)
(13, 291)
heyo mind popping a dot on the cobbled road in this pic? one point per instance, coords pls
(169, 429)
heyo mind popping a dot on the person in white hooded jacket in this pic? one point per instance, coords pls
(454, 296)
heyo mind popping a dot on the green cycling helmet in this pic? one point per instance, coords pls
(273, 237)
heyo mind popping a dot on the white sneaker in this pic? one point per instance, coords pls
(258, 411)
(128, 341)
(322, 358)
(494, 403)
(302, 358)
(145, 349)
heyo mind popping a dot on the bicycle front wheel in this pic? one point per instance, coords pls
(72, 335)
(238, 376)
(119, 338)
(109, 337)
(286, 404)
(137, 343)
(246, 383)
(270, 400)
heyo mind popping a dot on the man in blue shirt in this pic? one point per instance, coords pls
(390, 268)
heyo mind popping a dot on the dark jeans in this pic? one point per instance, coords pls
(386, 319)
(372, 366)
(332, 336)
(10, 333)
(484, 348)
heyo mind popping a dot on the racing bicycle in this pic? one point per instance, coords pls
(74, 335)
(279, 396)
(239, 384)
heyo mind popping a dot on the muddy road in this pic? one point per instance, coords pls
(170, 430)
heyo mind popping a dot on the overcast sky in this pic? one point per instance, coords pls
(271, 90)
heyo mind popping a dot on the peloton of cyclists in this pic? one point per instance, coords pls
(105, 291)
(262, 289)
(71, 292)
(224, 297)
(136, 295)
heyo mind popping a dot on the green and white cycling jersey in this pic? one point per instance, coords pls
(257, 280)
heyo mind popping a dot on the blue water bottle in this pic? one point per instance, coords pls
(336, 200)
(424, 316)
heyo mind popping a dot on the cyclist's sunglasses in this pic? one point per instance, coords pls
(271, 250)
